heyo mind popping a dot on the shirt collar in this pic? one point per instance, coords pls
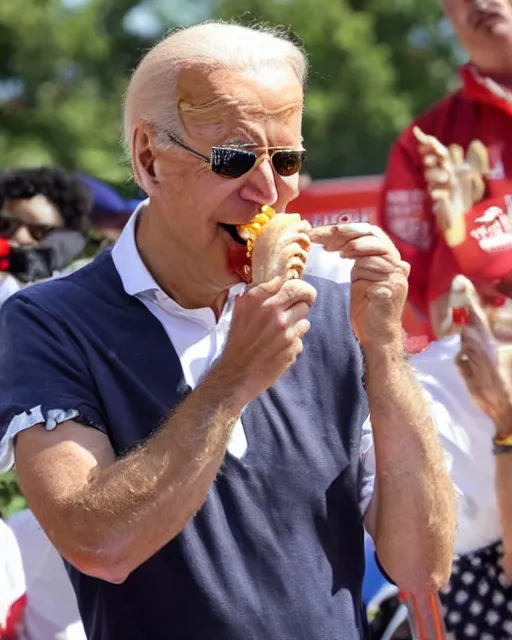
(133, 272)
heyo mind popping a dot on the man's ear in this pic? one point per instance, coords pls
(143, 158)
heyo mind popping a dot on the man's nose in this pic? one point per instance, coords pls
(260, 186)
(23, 237)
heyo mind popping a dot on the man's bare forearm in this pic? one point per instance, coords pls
(129, 510)
(415, 517)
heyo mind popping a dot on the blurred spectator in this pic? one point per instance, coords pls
(440, 228)
(43, 223)
(52, 610)
(12, 586)
(473, 409)
(110, 211)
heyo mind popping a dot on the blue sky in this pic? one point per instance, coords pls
(149, 16)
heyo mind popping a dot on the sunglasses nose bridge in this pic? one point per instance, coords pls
(260, 183)
(260, 159)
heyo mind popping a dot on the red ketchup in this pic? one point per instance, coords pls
(239, 263)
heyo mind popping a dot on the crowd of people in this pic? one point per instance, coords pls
(203, 459)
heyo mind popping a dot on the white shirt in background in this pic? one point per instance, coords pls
(8, 286)
(52, 610)
(12, 578)
(328, 265)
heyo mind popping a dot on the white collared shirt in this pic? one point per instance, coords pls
(12, 578)
(52, 609)
(198, 338)
(195, 334)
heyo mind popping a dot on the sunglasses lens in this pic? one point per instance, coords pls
(38, 232)
(287, 163)
(7, 227)
(232, 163)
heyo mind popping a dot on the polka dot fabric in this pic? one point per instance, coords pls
(478, 600)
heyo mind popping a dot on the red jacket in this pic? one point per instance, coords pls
(480, 110)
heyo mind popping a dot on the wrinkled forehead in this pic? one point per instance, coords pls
(262, 106)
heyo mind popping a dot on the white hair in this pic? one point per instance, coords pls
(151, 93)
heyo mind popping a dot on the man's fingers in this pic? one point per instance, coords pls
(376, 268)
(299, 245)
(304, 226)
(370, 246)
(267, 289)
(333, 233)
(295, 267)
(293, 317)
(359, 238)
(292, 293)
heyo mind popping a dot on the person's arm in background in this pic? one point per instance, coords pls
(488, 375)
(405, 215)
(431, 197)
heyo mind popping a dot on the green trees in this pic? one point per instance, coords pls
(374, 65)
(62, 72)
(64, 65)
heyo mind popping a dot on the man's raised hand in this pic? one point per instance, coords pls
(379, 279)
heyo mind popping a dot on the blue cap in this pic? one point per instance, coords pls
(106, 201)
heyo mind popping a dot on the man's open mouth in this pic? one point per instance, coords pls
(231, 229)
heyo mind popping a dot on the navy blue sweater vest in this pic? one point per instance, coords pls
(276, 551)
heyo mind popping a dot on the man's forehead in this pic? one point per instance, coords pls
(212, 99)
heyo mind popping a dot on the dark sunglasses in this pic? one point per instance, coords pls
(9, 226)
(233, 162)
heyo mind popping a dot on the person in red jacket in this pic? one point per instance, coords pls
(422, 175)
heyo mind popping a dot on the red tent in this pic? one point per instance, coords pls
(339, 200)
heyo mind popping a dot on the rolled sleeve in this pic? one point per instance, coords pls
(367, 468)
(44, 375)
